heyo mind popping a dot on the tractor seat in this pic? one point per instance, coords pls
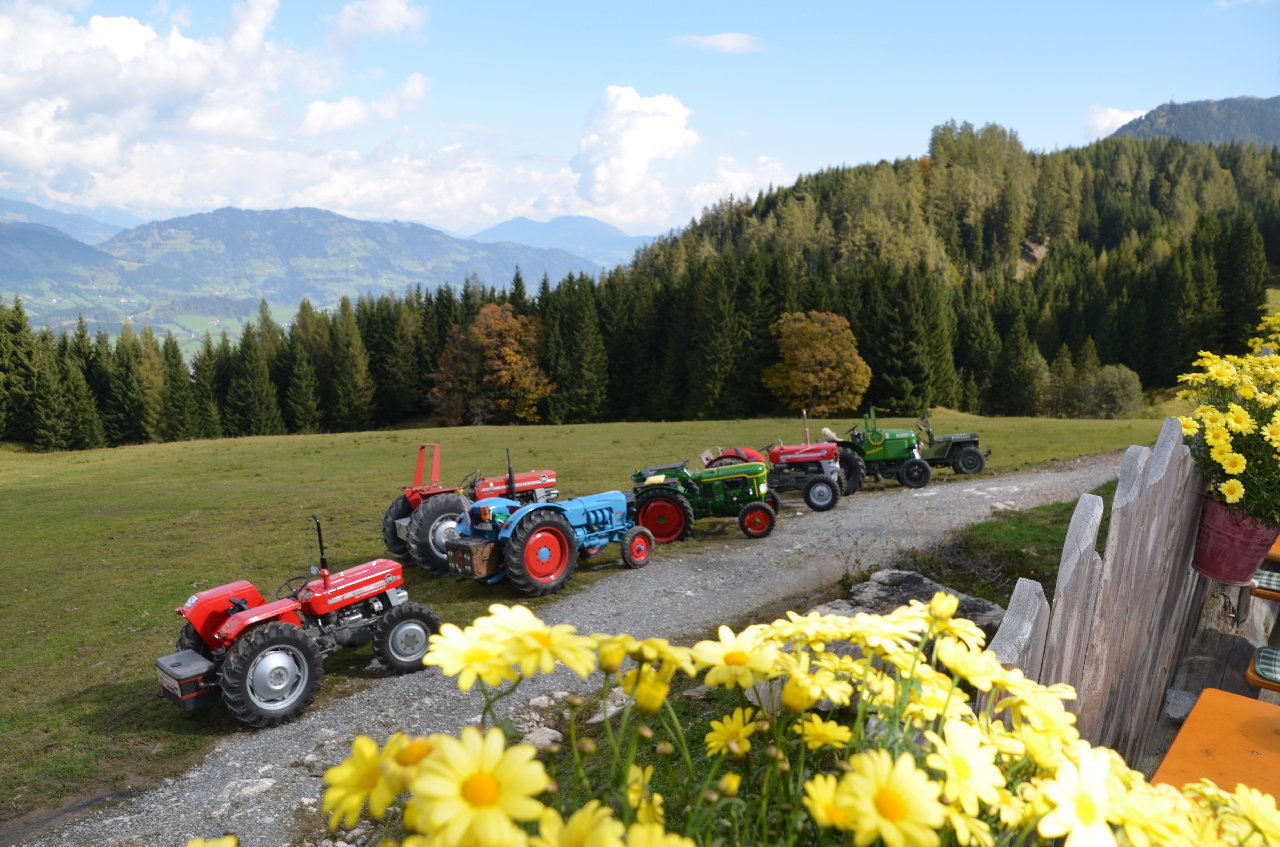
(657, 469)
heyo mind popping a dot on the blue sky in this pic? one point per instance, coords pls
(465, 114)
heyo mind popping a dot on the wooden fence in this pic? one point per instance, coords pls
(1118, 623)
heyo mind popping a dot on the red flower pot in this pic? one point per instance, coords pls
(1230, 547)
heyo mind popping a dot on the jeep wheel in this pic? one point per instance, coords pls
(821, 495)
(271, 674)
(401, 636)
(637, 547)
(914, 473)
(756, 520)
(665, 513)
(541, 555)
(855, 471)
(969, 460)
(431, 527)
(398, 510)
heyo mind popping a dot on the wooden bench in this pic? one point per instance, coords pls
(1229, 739)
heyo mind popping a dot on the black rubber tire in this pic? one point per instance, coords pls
(544, 529)
(821, 494)
(855, 471)
(915, 473)
(396, 546)
(756, 520)
(969, 460)
(637, 547)
(433, 522)
(725, 461)
(402, 636)
(292, 670)
(774, 502)
(189, 639)
(665, 513)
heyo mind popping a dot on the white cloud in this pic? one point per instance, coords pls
(624, 136)
(1104, 120)
(740, 179)
(324, 117)
(724, 42)
(380, 17)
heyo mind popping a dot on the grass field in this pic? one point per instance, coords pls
(100, 547)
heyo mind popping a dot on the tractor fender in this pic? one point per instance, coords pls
(608, 510)
(521, 513)
(285, 610)
(746, 454)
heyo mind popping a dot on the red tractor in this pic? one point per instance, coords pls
(264, 658)
(812, 469)
(419, 522)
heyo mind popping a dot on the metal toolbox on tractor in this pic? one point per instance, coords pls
(474, 557)
(188, 679)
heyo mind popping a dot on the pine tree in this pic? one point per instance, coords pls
(124, 411)
(48, 404)
(351, 388)
(179, 397)
(1021, 377)
(1242, 280)
(302, 405)
(84, 424)
(575, 353)
(251, 407)
(204, 367)
(151, 375)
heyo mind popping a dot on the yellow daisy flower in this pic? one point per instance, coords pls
(642, 798)
(967, 764)
(654, 835)
(357, 779)
(735, 661)
(1232, 491)
(1233, 463)
(735, 729)
(469, 655)
(818, 733)
(729, 783)
(1239, 420)
(830, 804)
(1216, 435)
(1189, 425)
(612, 650)
(541, 648)
(474, 789)
(591, 826)
(1081, 801)
(224, 841)
(893, 801)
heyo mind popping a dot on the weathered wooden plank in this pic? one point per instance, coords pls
(1020, 640)
(1110, 605)
(1071, 613)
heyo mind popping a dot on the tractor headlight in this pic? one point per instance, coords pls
(764, 488)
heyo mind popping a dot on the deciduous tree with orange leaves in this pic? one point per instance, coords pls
(819, 367)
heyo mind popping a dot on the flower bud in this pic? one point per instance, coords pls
(587, 745)
(576, 701)
(729, 783)
(645, 732)
(665, 748)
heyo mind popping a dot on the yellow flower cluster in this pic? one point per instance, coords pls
(1234, 431)
(898, 730)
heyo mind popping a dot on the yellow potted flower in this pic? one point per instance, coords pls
(1234, 436)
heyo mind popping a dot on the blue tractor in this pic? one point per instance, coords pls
(537, 545)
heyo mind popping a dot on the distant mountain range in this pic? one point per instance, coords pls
(207, 271)
(603, 244)
(1248, 119)
(79, 227)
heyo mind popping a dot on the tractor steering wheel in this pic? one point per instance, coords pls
(288, 589)
(855, 435)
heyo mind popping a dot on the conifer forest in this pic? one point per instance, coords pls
(982, 277)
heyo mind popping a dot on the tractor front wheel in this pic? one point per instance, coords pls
(271, 674)
(542, 554)
(189, 639)
(637, 547)
(855, 470)
(969, 460)
(914, 473)
(398, 510)
(401, 636)
(821, 495)
(432, 525)
(665, 513)
(756, 520)
(774, 502)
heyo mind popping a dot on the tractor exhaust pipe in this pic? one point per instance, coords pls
(511, 477)
(324, 560)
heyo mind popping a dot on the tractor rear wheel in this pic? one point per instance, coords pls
(189, 639)
(725, 461)
(915, 473)
(855, 471)
(398, 510)
(401, 636)
(271, 674)
(542, 553)
(665, 513)
(637, 547)
(969, 460)
(433, 523)
(756, 520)
(821, 494)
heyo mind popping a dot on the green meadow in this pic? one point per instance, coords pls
(100, 547)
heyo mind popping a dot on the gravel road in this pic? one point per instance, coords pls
(261, 785)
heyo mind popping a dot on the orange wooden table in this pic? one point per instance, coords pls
(1229, 739)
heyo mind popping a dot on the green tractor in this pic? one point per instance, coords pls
(669, 498)
(875, 454)
(958, 450)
